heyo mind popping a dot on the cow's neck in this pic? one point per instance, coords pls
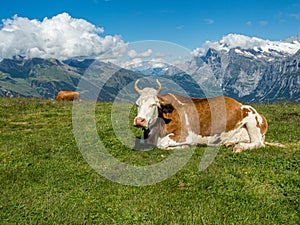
(146, 132)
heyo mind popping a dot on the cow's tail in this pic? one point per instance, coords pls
(273, 144)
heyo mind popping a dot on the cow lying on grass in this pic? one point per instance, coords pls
(172, 121)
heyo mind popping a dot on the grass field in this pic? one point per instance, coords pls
(45, 179)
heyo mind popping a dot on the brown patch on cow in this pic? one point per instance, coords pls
(206, 117)
(252, 110)
(245, 112)
(67, 95)
(174, 120)
(263, 126)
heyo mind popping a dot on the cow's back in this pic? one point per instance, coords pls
(203, 116)
(218, 115)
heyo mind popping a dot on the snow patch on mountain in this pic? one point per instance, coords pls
(232, 41)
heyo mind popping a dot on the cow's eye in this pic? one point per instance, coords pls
(153, 105)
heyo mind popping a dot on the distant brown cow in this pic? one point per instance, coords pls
(67, 95)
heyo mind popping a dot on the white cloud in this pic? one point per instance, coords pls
(160, 55)
(295, 15)
(134, 54)
(263, 23)
(179, 27)
(59, 37)
(209, 21)
(167, 11)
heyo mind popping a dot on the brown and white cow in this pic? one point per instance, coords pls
(173, 121)
(67, 95)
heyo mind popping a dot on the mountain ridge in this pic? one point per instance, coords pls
(286, 47)
(256, 74)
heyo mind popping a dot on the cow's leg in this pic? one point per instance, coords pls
(168, 144)
(252, 123)
(239, 135)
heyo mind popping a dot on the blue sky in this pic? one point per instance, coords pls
(188, 23)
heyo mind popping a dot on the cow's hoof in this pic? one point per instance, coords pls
(229, 144)
(237, 149)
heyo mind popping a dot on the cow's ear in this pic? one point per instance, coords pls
(166, 108)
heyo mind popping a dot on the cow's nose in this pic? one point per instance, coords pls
(139, 122)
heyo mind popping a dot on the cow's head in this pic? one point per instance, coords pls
(147, 106)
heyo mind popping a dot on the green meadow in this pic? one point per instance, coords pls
(45, 179)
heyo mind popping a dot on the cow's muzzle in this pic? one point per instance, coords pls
(139, 122)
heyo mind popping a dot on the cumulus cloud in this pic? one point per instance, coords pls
(59, 37)
(134, 54)
(142, 63)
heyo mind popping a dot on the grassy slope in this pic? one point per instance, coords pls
(45, 180)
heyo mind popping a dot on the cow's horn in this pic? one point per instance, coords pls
(159, 86)
(136, 87)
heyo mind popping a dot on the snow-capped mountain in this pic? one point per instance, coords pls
(246, 68)
(252, 46)
(154, 68)
(248, 47)
(251, 69)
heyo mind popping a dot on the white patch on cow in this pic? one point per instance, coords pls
(253, 130)
(177, 100)
(256, 138)
(235, 136)
(251, 109)
(192, 138)
(167, 143)
(199, 140)
(187, 123)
